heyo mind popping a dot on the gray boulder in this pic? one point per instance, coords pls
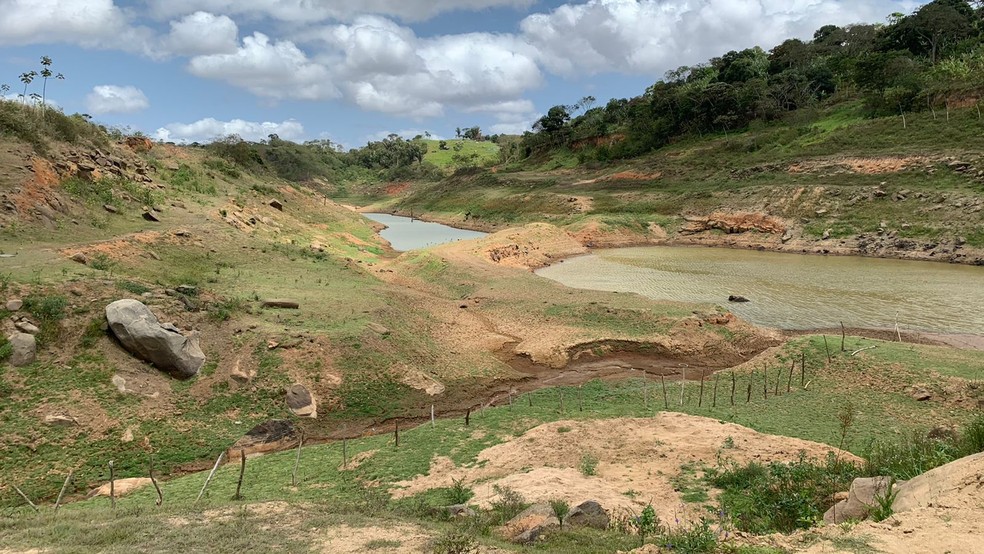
(588, 514)
(860, 500)
(301, 402)
(141, 334)
(25, 348)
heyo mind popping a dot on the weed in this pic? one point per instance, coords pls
(102, 262)
(648, 524)
(909, 456)
(455, 542)
(6, 349)
(695, 538)
(564, 429)
(508, 504)
(589, 465)
(132, 287)
(560, 510)
(49, 311)
(382, 544)
(729, 443)
(224, 310)
(884, 501)
(93, 332)
(459, 493)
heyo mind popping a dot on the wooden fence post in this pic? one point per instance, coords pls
(242, 471)
(645, 390)
(714, 398)
(765, 382)
(700, 400)
(826, 347)
(778, 380)
(432, 414)
(26, 499)
(580, 398)
(396, 434)
(843, 337)
(734, 383)
(789, 383)
(666, 401)
(210, 475)
(112, 485)
(467, 417)
(344, 453)
(160, 495)
(61, 494)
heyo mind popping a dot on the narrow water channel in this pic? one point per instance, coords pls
(404, 233)
(790, 291)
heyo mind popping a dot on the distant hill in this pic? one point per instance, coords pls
(460, 152)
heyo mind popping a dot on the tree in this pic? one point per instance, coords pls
(473, 133)
(933, 28)
(46, 74)
(4, 89)
(554, 121)
(27, 78)
(457, 132)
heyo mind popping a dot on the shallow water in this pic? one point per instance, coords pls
(791, 291)
(405, 234)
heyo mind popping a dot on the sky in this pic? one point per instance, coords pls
(352, 71)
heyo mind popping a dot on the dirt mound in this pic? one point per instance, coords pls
(530, 247)
(622, 463)
(734, 223)
(959, 484)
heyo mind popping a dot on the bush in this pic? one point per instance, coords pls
(48, 311)
(781, 497)
(589, 465)
(455, 542)
(693, 539)
(459, 493)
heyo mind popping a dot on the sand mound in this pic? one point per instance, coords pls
(530, 247)
(959, 484)
(636, 460)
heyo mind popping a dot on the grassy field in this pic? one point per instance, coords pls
(461, 152)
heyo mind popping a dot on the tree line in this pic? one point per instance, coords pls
(931, 57)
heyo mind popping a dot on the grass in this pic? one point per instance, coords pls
(460, 153)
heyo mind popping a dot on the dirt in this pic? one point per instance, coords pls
(867, 166)
(635, 465)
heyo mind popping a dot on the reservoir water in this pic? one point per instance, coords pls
(405, 234)
(791, 291)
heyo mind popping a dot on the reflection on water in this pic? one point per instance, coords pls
(406, 234)
(791, 291)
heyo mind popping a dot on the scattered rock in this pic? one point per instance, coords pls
(25, 349)
(281, 303)
(120, 383)
(377, 328)
(277, 205)
(14, 305)
(110, 208)
(150, 216)
(121, 487)
(920, 394)
(530, 524)
(301, 402)
(25, 326)
(239, 374)
(736, 298)
(269, 436)
(189, 290)
(182, 232)
(140, 332)
(127, 435)
(860, 500)
(459, 510)
(787, 236)
(588, 514)
(826, 234)
(80, 258)
(60, 420)
(154, 255)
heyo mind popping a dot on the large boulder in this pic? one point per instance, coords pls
(269, 436)
(860, 500)
(301, 402)
(139, 331)
(588, 514)
(532, 522)
(25, 348)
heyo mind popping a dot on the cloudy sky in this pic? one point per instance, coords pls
(355, 70)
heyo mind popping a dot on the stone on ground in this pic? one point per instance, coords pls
(164, 346)
(25, 348)
(301, 402)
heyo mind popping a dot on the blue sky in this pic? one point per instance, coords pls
(353, 71)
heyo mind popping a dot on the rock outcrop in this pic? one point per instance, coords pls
(163, 345)
(301, 402)
(733, 223)
(270, 436)
(25, 348)
(532, 522)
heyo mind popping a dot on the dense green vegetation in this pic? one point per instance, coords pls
(929, 60)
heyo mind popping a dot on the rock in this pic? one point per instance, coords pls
(110, 208)
(860, 500)
(139, 331)
(588, 514)
(127, 435)
(736, 298)
(154, 255)
(241, 375)
(139, 144)
(25, 348)
(120, 383)
(301, 402)
(184, 233)
(526, 527)
(269, 436)
(277, 205)
(150, 216)
(826, 234)
(377, 328)
(879, 193)
(787, 236)
(281, 303)
(25, 326)
(60, 420)
(459, 510)
(80, 258)
(920, 394)
(14, 305)
(121, 487)
(188, 290)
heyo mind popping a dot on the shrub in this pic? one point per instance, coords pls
(589, 465)
(560, 510)
(455, 542)
(507, 506)
(49, 311)
(781, 497)
(692, 539)
(972, 438)
(459, 493)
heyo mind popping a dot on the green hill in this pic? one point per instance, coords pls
(460, 153)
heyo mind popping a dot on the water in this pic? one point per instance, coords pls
(406, 234)
(790, 291)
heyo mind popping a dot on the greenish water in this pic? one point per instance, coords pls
(790, 291)
(405, 234)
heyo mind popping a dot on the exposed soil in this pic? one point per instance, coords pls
(638, 461)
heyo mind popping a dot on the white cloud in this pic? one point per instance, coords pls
(385, 67)
(115, 99)
(209, 128)
(308, 11)
(202, 33)
(90, 23)
(651, 36)
(275, 69)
